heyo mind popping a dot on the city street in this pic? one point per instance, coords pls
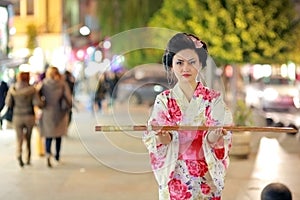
(115, 165)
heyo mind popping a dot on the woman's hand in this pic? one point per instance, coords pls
(215, 135)
(164, 137)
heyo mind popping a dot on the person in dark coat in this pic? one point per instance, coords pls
(23, 97)
(100, 93)
(3, 92)
(70, 79)
(111, 79)
(54, 121)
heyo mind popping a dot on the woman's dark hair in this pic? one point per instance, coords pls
(276, 191)
(182, 41)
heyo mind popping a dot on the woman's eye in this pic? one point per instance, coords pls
(192, 62)
(179, 63)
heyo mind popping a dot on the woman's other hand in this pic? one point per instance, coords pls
(164, 137)
(215, 135)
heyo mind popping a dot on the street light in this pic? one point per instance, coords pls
(84, 30)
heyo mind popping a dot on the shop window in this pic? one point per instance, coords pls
(23, 7)
(17, 8)
(30, 7)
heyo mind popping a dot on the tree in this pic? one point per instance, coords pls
(116, 16)
(251, 31)
(121, 15)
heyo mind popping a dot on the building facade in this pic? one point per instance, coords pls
(57, 24)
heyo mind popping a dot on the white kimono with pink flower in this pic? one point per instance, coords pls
(189, 167)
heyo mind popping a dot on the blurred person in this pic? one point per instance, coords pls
(54, 121)
(23, 97)
(3, 92)
(100, 93)
(188, 164)
(111, 79)
(276, 191)
(70, 79)
(40, 147)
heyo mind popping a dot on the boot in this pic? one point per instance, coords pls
(49, 162)
(28, 159)
(20, 161)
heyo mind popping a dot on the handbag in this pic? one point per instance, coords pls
(8, 110)
(64, 104)
(7, 113)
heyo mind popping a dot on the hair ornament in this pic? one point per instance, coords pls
(198, 43)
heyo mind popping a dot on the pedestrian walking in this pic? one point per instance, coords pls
(100, 93)
(22, 97)
(40, 142)
(3, 92)
(54, 119)
(111, 80)
(188, 164)
(70, 79)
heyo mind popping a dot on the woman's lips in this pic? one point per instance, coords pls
(186, 75)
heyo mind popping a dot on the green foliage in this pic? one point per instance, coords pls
(242, 115)
(236, 31)
(120, 15)
(138, 57)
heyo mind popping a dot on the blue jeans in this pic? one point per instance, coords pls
(57, 146)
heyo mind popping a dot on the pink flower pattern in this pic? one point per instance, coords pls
(209, 120)
(178, 190)
(156, 161)
(174, 111)
(197, 168)
(207, 94)
(205, 188)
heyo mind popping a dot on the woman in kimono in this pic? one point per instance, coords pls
(188, 164)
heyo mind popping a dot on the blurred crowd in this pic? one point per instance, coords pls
(46, 101)
(43, 101)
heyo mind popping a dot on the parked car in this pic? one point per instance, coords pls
(273, 93)
(141, 84)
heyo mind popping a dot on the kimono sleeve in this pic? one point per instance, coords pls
(221, 116)
(158, 116)
(217, 157)
(221, 112)
(162, 157)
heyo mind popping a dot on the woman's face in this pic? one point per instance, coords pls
(186, 65)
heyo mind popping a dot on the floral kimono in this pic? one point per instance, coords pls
(189, 167)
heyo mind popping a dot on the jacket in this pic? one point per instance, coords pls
(54, 121)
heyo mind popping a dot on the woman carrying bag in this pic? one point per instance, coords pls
(22, 97)
(54, 120)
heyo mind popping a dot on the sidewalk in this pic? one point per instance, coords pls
(81, 175)
(115, 166)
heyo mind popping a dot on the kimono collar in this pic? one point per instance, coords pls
(179, 95)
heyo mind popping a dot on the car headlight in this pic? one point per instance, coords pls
(270, 94)
(158, 88)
